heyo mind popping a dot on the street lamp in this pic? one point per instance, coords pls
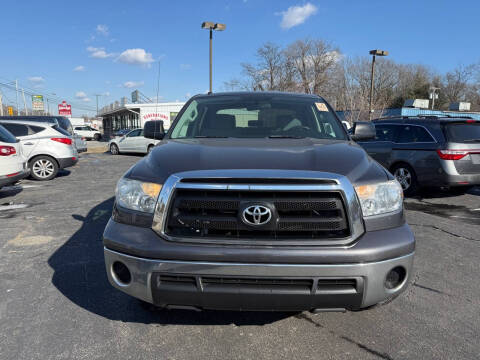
(212, 26)
(374, 53)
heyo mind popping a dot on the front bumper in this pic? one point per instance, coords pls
(189, 283)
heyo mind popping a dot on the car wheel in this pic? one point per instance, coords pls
(97, 137)
(43, 168)
(405, 175)
(114, 149)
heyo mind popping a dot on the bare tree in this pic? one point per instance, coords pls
(312, 61)
(456, 82)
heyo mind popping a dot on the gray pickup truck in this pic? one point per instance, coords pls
(259, 201)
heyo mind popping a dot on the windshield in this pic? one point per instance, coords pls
(258, 117)
(462, 132)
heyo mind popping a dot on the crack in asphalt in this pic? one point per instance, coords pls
(379, 354)
(430, 289)
(446, 231)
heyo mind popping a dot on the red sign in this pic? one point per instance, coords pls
(64, 109)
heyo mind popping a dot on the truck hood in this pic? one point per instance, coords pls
(339, 157)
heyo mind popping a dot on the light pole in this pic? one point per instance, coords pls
(374, 53)
(212, 26)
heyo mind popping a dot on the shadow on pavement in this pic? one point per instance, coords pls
(63, 172)
(10, 190)
(79, 274)
(438, 193)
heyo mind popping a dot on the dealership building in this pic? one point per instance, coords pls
(118, 116)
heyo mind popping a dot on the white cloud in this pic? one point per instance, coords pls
(80, 95)
(36, 79)
(188, 95)
(132, 84)
(185, 66)
(98, 53)
(296, 15)
(136, 57)
(102, 29)
(79, 68)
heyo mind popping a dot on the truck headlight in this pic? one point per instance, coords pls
(380, 198)
(137, 195)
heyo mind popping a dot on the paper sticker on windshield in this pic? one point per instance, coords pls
(321, 106)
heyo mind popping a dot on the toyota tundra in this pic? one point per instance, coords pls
(259, 201)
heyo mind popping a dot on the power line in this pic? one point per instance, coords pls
(46, 95)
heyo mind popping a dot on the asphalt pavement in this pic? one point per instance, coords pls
(56, 302)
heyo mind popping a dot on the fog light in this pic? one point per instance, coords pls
(121, 274)
(395, 277)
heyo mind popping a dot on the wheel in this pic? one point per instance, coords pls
(114, 149)
(149, 149)
(405, 175)
(97, 137)
(43, 168)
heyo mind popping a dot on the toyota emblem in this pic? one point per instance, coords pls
(257, 215)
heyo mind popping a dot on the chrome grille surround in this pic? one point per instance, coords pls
(330, 182)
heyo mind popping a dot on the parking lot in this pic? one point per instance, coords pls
(56, 302)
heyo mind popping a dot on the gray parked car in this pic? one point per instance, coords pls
(428, 151)
(258, 201)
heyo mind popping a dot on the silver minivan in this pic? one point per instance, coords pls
(46, 146)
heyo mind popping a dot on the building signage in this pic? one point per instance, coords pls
(155, 116)
(37, 103)
(64, 109)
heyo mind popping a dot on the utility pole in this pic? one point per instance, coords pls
(1, 105)
(97, 95)
(16, 94)
(48, 107)
(433, 95)
(24, 102)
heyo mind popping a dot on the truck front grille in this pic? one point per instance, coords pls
(216, 215)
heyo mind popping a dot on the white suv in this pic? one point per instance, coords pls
(87, 132)
(46, 146)
(12, 163)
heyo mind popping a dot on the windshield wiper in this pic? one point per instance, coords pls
(209, 137)
(285, 137)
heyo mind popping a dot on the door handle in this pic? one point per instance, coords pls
(28, 143)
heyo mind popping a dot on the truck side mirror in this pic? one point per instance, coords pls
(363, 130)
(153, 129)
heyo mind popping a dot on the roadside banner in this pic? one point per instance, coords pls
(37, 103)
(64, 109)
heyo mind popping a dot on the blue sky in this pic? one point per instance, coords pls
(118, 42)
